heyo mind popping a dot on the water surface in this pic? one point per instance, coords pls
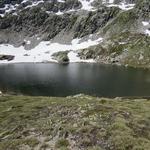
(63, 80)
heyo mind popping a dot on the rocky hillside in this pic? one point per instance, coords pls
(107, 31)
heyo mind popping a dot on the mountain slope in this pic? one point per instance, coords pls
(108, 31)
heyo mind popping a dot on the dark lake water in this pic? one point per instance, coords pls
(63, 80)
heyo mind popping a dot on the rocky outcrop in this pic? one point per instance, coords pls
(124, 49)
(6, 57)
(61, 57)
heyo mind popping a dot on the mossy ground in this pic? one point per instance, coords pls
(73, 123)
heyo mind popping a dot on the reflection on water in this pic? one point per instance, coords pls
(62, 80)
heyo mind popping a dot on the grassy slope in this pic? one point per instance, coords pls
(79, 122)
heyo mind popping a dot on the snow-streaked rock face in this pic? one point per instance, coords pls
(46, 27)
(123, 4)
(15, 7)
(44, 51)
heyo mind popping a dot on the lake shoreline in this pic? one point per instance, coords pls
(76, 95)
(82, 62)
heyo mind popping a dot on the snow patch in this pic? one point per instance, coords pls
(122, 6)
(59, 13)
(86, 5)
(74, 58)
(61, 1)
(145, 23)
(146, 27)
(109, 2)
(35, 3)
(147, 32)
(38, 38)
(121, 43)
(27, 42)
(141, 57)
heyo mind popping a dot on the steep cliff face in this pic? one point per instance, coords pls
(113, 30)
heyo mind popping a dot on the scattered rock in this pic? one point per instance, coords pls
(26, 55)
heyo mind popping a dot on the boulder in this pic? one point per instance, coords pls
(7, 57)
(61, 57)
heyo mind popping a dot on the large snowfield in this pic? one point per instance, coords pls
(44, 51)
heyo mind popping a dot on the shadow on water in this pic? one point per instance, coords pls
(63, 80)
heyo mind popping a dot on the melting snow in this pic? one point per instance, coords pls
(43, 52)
(122, 5)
